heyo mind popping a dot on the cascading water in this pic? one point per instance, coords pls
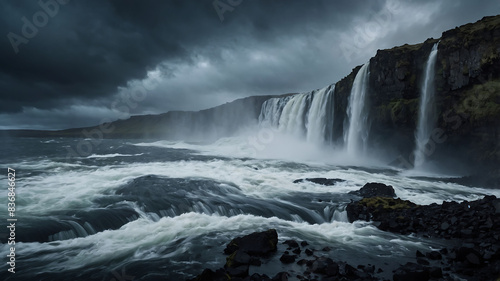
(293, 119)
(320, 116)
(271, 111)
(427, 114)
(356, 133)
(307, 115)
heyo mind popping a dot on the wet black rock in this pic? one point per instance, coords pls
(259, 277)
(412, 272)
(325, 266)
(302, 262)
(436, 272)
(243, 252)
(434, 255)
(380, 209)
(474, 225)
(422, 261)
(291, 243)
(467, 220)
(238, 271)
(374, 189)
(287, 258)
(322, 181)
(255, 244)
(209, 275)
(471, 257)
(239, 262)
(241, 258)
(282, 276)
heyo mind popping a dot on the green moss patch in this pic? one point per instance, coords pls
(386, 203)
(230, 260)
(469, 34)
(481, 102)
(402, 62)
(407, 47)
(489, 57)
(402, 108)
(400, 111)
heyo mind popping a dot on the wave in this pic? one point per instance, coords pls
(80, 188)
(145, 239)
(112, 155)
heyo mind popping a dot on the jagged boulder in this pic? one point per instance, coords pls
(254, 244)
(412, 272)
(376, 208)
(322, 181)
(374, 189)
(210, 275)
(243, 251)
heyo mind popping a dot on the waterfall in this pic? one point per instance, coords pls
(271, 111)
(356, 134)
(427, 114)
(307, 116)
(320, 116)
(293, 119)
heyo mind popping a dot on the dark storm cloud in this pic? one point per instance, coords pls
(85, 51)
(90, 47)
(90, 53)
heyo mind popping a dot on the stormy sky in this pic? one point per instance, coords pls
(74, 63)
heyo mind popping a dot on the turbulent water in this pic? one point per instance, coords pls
(427, 114)
(165, 210)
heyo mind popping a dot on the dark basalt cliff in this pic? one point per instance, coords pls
(467, 96)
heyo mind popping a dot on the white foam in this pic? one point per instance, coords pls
(46, 165)
(138, 240)
(72, 188)
(112, 155)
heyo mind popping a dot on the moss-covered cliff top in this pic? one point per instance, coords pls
(486, 29)
(408, 47)
(401, 49)
(486, 23)
(468, 31)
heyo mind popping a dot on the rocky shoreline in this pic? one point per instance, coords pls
(473, 227)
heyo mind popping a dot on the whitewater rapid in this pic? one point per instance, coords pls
(163, 207)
